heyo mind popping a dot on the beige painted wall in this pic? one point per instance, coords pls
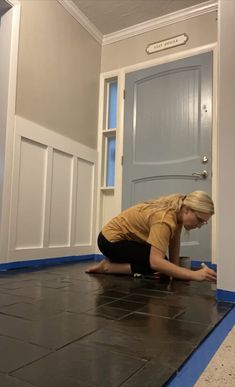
(226, 146)
(202, 30)
(58, 72)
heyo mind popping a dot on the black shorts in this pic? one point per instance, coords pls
(124, 251)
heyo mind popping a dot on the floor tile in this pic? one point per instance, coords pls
(83, 286)
(140, 346)
(26, 283)
(151, 375)
(35, 292)
(9, 381)
(169, 311)
(158, 329)
(50, 379)
(108, 312)
(72, 302)
(15, 353)
(7, 299)
(143, 299)
(199, 313)
(51, 333)
(85, 364)
(14, 285)
(102, 330)
(156, 285)
(125, 305)
(112, 293)
(30, 311)
(63, 329)
(154, 293)
(15, 327)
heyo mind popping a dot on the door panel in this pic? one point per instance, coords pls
(167, 132)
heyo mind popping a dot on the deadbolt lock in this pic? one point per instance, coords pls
(204, 160)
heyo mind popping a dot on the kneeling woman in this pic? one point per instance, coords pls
(137, 240)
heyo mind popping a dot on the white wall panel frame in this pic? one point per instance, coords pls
(60, 208)
(84, 201)
(47, 195)
(29, 195)
(73, 200)
(14, 196)
(69, 154)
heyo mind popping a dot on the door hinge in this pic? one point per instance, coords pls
(122, 160)
(124, 93)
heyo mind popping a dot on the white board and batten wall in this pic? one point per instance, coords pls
(53, 195)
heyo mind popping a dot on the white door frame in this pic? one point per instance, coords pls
(9, 39)
(120, 73)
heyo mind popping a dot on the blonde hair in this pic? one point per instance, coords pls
(198, 200)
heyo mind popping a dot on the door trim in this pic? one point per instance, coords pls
(120, 73)
(11, 21)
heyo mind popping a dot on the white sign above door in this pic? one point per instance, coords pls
(166, 44)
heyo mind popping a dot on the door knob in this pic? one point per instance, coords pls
(202, 174)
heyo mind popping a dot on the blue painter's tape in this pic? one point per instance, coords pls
(99, 257)
(225, 295)
(191, 370)
(45, 262)
(76, 258)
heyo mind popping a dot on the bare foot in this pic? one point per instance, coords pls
(101, 267)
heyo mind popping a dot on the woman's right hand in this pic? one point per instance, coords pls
(205, 274)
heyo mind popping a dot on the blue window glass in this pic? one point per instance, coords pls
(110, 174)
(112, 105)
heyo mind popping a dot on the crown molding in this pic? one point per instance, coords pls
(159, 22)
(82, 19)
(13, 2)
(137, 29)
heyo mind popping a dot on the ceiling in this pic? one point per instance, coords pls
(4, 6)
(110, 16)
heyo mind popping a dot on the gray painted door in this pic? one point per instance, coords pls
(167, 137)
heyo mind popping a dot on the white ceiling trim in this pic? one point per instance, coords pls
(82, 19)
(175, 17)
(13, 2)
(160, 22)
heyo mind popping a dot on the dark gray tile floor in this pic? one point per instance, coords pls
(60, 327)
